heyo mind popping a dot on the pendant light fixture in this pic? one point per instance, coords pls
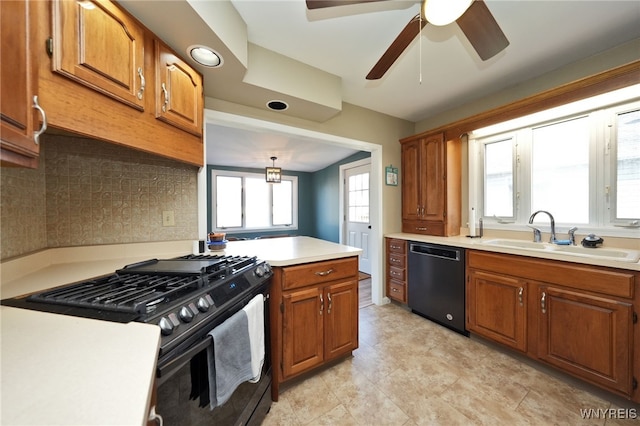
(444, 12)
(273, 174)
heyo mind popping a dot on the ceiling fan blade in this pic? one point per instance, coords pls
(321, 4)
(406, 36)
(482, 30)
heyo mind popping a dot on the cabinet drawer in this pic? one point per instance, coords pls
(399, 261)
(397, 246)
(423, 227)
(397, 290)
(319, 272)
(399, 274)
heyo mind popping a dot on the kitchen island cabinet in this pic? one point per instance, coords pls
(577, 318)
(18, 84)
(319, 313)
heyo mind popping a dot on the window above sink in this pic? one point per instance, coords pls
(581, 164)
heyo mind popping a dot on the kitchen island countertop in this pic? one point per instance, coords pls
(59, 369)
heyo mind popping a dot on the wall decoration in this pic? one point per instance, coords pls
(391, 175)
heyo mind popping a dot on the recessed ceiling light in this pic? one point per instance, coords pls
(205, 56)
(277, 105)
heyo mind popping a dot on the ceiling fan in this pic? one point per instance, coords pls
(476, 22)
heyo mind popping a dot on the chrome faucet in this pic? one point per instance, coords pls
(537, 235)
(572, 235)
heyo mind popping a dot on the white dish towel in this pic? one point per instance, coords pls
(255, 321)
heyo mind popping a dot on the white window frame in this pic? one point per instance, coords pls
(602, 158)
(244, 229)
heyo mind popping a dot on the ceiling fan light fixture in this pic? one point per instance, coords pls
(444, 12)
(205, 56)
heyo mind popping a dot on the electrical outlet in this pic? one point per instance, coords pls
(168, 218)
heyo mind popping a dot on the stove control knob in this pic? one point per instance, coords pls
(203, 305)
(185, 314)
(260, 271)
(166, 327)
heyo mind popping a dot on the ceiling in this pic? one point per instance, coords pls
(316, 60)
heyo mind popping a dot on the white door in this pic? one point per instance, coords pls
(357, 222)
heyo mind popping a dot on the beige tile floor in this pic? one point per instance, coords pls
(410, 371)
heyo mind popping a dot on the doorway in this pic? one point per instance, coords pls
(376, 176)
(356, 209)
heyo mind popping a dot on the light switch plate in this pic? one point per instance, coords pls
(168, 219)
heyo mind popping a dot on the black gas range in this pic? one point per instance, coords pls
(185, 296)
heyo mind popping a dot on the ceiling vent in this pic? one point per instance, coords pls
(277, 105)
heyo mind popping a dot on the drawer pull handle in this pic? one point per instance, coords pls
(324, 273)
(395, 290)
(543, 302)
(520, 291)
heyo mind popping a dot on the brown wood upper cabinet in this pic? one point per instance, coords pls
(100, 77)
(18, 79)
(100, 46)
(179, 98)
(431, 177)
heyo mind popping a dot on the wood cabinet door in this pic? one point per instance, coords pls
(497, 308)
(341, 319)
(433, 175)
(179, 95)
(99, 45)
(302, 335)
(411, 180)
(17, 85)
(588, 336)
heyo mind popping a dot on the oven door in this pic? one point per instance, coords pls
(179, 377)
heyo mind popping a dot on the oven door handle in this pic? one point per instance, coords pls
(180, 361)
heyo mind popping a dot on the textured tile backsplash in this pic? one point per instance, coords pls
(88, 192)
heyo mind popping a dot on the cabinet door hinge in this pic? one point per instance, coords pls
(49, 46)
(634, 383)
(635, 317)
(282, 307)
(281, 366)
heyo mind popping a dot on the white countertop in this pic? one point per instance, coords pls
(479, 244)
(290, 250)
(58, 369)
(63, 370)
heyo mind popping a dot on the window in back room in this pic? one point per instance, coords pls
(246, 202)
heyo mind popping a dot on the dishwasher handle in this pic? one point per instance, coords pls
(427, 250)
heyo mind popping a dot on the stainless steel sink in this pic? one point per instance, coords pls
(619, 255)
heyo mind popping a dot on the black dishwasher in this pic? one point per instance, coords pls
(436, 284)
